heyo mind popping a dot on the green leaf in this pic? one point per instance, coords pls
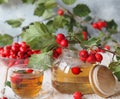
(41, 61)
(5, 39)
(41, 1)
(81, 10)
(45, 8)
(3, 1)
(115, 68)
(38, 36)
(15, 22)
(69, 2)
(50, 4)
(92, 42)
(112, 26)
(60, 21)
(39, 10)
(48, 13)
(8, 83)
(28, 1)
(117, 50)
(50, 26)
(117, 74)
(88, 18)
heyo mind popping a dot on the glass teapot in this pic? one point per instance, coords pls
(69, 74)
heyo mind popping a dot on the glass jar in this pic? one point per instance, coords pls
(64, 80)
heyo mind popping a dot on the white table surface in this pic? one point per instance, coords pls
(56, 95)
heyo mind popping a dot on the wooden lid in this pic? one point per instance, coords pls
(102, 81)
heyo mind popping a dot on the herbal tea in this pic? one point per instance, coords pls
(69, 82)
(26, 84)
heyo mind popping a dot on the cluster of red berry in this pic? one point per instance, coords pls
(91, 57)
(62, 42)
(17, 51)
(99, 25)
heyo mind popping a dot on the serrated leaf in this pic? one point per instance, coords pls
(41, 61)
(92, 42)
(50, 4)
(8, 83)
(5, 39)
(39, 10)
(112, 26)
(38, 36)
(88, 18)
(50, 26)
(117, 74)
(48, 13)
(115, 68)
(81, 10)
(28, 1)
(3, 1)
(69, 2)
(60, 21)
(117, 50)
(15, 22)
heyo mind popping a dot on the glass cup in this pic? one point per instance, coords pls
(6, 64)
(26, 83)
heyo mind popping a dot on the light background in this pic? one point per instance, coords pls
(105, 9)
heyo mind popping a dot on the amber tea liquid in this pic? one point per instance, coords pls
(29, 86)
(69, 82)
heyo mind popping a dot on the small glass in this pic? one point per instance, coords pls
(26, 83)
(7, 63)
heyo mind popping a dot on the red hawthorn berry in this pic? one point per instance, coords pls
(23, 44)
(83, 59)
(107, 47)
(96, 26)
(55, 54)
(91, 59)
(16, 78)
(100, 50)
(84, 35)
(60, 12)
(76, 70)
(98, 57)
(93, 52)
(4, 97)
(77, 95)
(100, 24)
(60, 36)
(83, 53)
(64, 43)
(7, 47)
(59, 50)
(28, 70)
(104, 24)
